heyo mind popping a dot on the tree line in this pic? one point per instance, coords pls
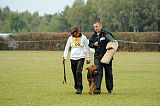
(116, 16)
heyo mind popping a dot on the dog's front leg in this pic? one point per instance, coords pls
(90, 85)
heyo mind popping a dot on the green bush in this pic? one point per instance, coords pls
(128, 41)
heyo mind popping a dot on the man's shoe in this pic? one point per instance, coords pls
(97, 92)
(79, 91)
(109, 92)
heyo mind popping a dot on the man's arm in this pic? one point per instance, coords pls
(92, 43)
(110, 38)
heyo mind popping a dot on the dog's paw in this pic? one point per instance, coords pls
(90, 92)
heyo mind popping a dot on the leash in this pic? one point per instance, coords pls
(132, 42)
(64, 80)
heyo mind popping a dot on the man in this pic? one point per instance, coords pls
(77, 42)
(99, 41)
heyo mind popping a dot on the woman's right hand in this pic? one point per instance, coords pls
(64, 60)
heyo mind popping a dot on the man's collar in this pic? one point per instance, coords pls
(95, 33)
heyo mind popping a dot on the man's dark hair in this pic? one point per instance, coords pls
(97, 22)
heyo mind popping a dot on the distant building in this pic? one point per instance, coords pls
(7, 42)
(6, 34)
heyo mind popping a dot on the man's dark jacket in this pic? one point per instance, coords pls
(103, 38)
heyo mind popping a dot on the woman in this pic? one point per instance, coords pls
(78, 42)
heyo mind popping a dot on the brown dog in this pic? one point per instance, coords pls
(92, 70)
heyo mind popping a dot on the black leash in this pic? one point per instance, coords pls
(64, 80)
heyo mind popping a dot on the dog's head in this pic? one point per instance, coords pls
(92, 69)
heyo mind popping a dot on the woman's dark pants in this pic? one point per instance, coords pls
(77, 67)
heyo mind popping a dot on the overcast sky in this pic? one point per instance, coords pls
(42, 6)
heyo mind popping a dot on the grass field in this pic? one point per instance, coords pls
(34, 78)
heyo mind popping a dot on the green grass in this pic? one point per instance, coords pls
(34, 78)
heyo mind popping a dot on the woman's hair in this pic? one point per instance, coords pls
(76, 29)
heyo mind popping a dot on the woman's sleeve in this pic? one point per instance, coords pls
(68, 44)
(87, 48)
